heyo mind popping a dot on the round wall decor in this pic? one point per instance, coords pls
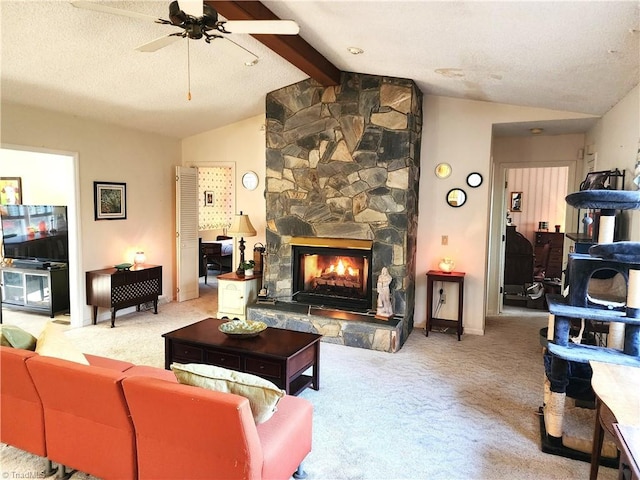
(250, 180)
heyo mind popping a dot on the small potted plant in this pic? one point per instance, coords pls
(248, 266)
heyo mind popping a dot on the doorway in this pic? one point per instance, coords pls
(58, 186)
(542, 200)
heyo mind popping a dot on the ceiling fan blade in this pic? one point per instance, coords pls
(158, 43)
(276, 27)
(100, 7)
(192, 7)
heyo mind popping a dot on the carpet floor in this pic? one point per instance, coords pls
(437, 409)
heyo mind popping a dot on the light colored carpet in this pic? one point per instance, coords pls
(437, 409)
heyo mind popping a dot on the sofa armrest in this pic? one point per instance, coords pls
(286, 437)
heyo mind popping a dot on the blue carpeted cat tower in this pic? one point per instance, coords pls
(567, 360)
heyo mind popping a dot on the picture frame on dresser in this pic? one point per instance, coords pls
(110, 200)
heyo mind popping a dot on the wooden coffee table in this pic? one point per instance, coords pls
(278, 355)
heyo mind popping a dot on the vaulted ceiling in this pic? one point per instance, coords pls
(580, 56)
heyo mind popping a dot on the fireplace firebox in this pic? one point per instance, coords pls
(332, 272)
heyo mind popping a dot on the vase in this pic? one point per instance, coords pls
(248, 272)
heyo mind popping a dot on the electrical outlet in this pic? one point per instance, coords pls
(445, 239)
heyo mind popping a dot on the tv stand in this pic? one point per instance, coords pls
(42, 290)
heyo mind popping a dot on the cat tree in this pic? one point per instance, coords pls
(569, 356)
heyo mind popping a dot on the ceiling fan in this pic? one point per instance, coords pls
(197, 20)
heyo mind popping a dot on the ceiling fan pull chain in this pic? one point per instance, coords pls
(188, 72)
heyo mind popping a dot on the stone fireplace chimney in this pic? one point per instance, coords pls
(344, 162)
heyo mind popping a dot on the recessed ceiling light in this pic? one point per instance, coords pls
(355, 50)
(536, 131)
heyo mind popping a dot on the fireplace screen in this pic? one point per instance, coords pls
(332, 276)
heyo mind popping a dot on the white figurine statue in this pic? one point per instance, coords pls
(384, 295)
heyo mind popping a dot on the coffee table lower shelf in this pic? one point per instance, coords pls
(281, 356)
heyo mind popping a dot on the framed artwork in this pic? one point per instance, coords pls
(209, 198)
(516, 202)
(10, 190)
(110, 200)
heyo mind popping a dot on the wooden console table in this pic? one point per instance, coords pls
(438, 276)
(278, 355)
(617, 389)
(118, 289)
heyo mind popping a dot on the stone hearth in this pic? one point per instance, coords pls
(344, 162)
(335, 326)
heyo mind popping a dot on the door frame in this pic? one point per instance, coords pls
(76, 265)
(495, 265)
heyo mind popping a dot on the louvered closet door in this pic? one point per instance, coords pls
(187, 234)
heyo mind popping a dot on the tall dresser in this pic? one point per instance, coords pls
(556, 239)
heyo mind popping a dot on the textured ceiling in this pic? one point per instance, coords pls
(577, 56)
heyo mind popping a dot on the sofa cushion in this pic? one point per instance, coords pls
(13, 336)
(53, 343)
(263, 395)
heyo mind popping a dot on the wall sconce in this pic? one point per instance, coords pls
(139, 258)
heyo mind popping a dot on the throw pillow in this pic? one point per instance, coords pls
(263, 395)
(53, 343)
(13, 336)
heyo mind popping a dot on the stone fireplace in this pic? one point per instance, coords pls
(343, 163)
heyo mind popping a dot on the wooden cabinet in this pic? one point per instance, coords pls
(518, 261)
(235, 293)
(38, 290)
(117, 289)
(556, 241)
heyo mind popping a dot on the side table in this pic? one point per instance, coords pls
(439, 276)
(235, 293)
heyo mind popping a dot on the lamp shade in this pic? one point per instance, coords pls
(241, 227)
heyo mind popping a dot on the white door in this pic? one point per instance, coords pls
(187, 233)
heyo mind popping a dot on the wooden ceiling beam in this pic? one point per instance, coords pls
(292, 48)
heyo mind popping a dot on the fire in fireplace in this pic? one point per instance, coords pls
(333, 272)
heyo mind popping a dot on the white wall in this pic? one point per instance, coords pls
(145, 162)
(458, 132)
(243, 144)
(615, 142)
(54, 188)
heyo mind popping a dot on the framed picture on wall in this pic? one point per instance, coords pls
(10, 191)
(209, 198)
(110, 200)
(516, 202)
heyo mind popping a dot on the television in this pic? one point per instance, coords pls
(35, 232)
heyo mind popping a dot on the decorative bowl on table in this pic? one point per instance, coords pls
(242, 328)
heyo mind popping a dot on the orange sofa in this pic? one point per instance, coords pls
(116, 420)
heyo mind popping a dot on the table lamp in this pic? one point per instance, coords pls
(241, 227)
